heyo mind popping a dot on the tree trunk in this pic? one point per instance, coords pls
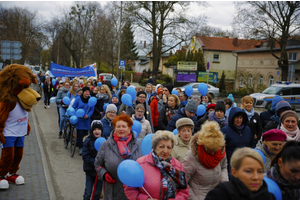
(154, 50)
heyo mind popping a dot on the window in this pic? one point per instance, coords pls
(261, 80)
(241, 80)
(216, 58)
(250, 81)
(286, 91)
(271, 80)
(297, 81)
(293, 56)
(296, 91)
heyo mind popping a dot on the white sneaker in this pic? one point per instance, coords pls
(45, 106)
(48, 106)
(4, 184)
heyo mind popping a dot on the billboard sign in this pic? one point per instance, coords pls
(186, 77)
(187, 66)
(212, 77)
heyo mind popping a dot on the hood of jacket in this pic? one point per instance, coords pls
(275, 100)
(63, 89)
(181, 111)
(234, 111)
(194, 145)
(157, 87)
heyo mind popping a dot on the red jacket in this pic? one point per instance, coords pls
(153, 183)
(154, 111)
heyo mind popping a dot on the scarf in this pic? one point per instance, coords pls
(249, 114)
(291, 135)
(222, 122)
(239, 129)
(170, 112)
(269, 152)
(183, 103)
(289, 191)
(172, 178)
(84, 100)
(138, 119)
(275, 118)
(122, 145)
(207, 160)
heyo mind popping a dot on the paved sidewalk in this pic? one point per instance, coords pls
(31, 168)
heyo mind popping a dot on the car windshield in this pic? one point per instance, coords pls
(271, 90)
(36, 68)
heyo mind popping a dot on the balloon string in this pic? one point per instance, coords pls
(87, 111)
(147, 192)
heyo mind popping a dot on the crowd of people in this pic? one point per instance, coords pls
(211, 156)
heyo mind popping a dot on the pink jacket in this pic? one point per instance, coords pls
(153, 183)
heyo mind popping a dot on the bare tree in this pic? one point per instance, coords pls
(272, 20)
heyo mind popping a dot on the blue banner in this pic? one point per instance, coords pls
(63, 71)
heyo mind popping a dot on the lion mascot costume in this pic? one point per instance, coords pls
(16, 100)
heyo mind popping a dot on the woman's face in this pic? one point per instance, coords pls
(290, 123)
(75, 86)
(227, 106)
(182, 97)
(86, 94)
(219, 114)
(185, 133)
(153, 88)
(238, 120)
(251, 173)
(142, 98)
(125, 84)
(139, 113)
(148, 88)
(122, 129)
(111, 115)
(290, 171)
(115, 100)
(171, 102)
(166, 91)
(248, 105)
(88, 84)
(67, 85)
(205, 99)
(79, 93)
(274, 146)
(164, 149)
(102, 90)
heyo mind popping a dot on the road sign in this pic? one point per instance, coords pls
(11, 50)
(184, 65)
(207, 66)
(122, 64)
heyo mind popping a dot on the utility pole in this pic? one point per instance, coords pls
(119, 49)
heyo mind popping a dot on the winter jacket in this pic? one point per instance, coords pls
(201, 180)
(154, 111)
(268, 159)
(201, 121)
(236, 190)
(163, 118)
(45, 87)
(109, 158)
(265, 117)
(122, 108)
(255, 126)
(101, 100)
(233, 138)
(71, 96)
(153, 184)
(228, 111)
(146, 127)
(63, 92)
(83, 124)
(213, 117)
(273, 123)
(107, 127)
(180, 148)
(180, 114)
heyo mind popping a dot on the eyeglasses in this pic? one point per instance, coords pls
(112, 112)
(140, 111)
(142, 97)
(165, 90)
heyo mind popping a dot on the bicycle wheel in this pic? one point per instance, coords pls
(73, 141)
(66, 135)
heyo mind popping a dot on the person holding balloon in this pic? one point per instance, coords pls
(122, 109)
(89, 153)
(139, 116)
(247, 180)
(121, 145)
(72, 94)
(210, 108)
(103, 97)
(218, 115)
(164, 177)
(206, 99)
(47, 87)
(167, 111)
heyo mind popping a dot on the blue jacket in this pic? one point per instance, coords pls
(71, 96)
(265, 117)
(63, 92)
(83, 124)
(233, 138)
(107, 127)
(89, 154)
(180, 114)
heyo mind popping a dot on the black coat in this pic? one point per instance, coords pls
(236, 190)
(255, 125)
(89, 154)
(162, 119)
(265, 117)
(202, 120)
(45, 87)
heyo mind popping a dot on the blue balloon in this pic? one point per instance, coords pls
(137, 126)
(131, 91)
(80, 113)
(175, 131)
(126, 99)
(53, 81)
(128, 169)
(73, 119)
(71, 111)
(66, 100)
(105, 105)
(188, 90)
(202, 88)
(273, 188)
(92, 101)
(114, 82)
(99, 84)
(200, 110)
(135, 133)
(262, 154)
(146, 144)
(52, 99)
(42, 85)
(98, 142)
(175, 92)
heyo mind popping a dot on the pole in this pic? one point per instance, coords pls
(11, 54)
(119, 48)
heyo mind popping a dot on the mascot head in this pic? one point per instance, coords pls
(14, 86)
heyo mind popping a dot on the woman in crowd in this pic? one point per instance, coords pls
(122, 109)
(148, 90)
(103, 97)
(110, 115)
(120, 145)
(237, 133)
(205, 164)
(72, 94)
(209, 108)
(185, 127)
(127, 84)
(179, 90)
(183, 99)
(219, 114)
(167, 111)
(83, 124)
(272, 144)
(139, 116)
(78, 93)
(63, 92)
(205, 100)
(289, 125)
(285, 170)
(228, 106)
(95, 91)
(247, 179)
(154, 109)
(48, 87)
(165, 178)
(115, 100)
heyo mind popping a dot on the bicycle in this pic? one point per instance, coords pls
(66, 135)
(70, 135)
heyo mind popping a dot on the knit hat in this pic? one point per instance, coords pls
(192, 106)
(184, 122)
(141, 92)
(111, 107)
(96, 124)
(85, 89)
(195, 97)
(274, 135)
(282, 106)
(275, 101)
(209, 106)
(78, 90)
(220, 105)
(157, 87)
(115, 95)
(169, 87)
(230, 97)
(288, 113)
(159, 91)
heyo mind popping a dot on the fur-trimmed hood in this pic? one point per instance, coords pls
(194, 145)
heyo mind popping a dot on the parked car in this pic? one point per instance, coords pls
(36, 69)
(213, 91)
(289, 92)
(107, 76)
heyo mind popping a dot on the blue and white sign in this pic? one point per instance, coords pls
(122, 64)
(63, 71)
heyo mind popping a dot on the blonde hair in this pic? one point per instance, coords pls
(211, 136)
(72, 88)
(240, 153)
(98, 88)
(107, 90)
(247, 99)
(177, 101)
(140, 106)
(162, 135)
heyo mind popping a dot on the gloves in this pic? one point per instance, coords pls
(2, 139)
(62, 101)
(109, 179)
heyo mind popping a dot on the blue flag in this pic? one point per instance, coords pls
(63, 71)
